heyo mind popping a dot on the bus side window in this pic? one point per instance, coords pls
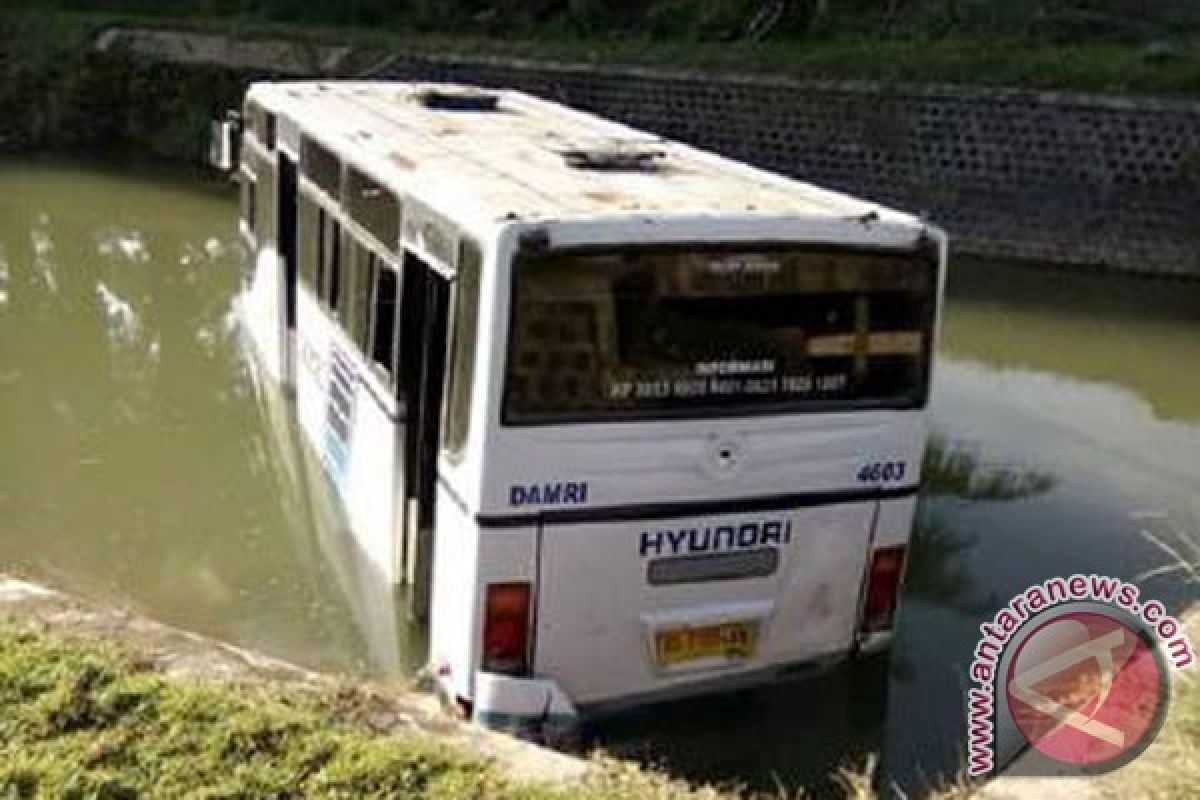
(361, 288)
(333, 262)
(265, 201)
(249, 191)
(260, 123)
(461, 370)
(383, 329)
(321, 167)
(320, 281)
(308, 239)
(348, 266)
(370, 205)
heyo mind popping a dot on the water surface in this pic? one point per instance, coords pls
(143, 464)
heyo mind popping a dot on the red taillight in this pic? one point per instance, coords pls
(506, 628)
(883, 586)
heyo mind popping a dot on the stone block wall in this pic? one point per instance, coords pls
(1055, 177)
(1064, 178)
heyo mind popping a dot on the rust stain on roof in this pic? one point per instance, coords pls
(401, 161)
(603, 196)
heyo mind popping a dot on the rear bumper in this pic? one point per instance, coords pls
(538, 708)
(872, 643)
(528, 707)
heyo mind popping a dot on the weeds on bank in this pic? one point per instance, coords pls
(78, 722)
(1170, 767)
(80, 719)
(87, 721)
(972, 55)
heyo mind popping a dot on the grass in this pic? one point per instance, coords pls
(1170, 768)
(1007, 59)
(84, 720)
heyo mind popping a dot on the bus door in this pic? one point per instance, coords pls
(423, 311)
(286, 208)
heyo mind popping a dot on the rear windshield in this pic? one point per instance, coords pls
(641, 333)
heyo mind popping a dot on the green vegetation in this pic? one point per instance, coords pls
(1101, 45)
(55, 94)
(88, 721)
(704, 20)
(1170, 768)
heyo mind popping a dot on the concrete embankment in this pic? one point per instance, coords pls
(1063, 178)
(180, 655)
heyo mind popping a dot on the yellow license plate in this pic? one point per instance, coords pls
(730, 640)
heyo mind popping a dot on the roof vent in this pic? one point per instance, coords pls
(458, 99)
(616, 156)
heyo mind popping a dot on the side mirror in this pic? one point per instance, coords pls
(223, 141)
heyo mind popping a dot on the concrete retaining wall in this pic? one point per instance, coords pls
(1051, 177)
(1056, 177)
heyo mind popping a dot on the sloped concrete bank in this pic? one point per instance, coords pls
(181, 654)
(1054, 177)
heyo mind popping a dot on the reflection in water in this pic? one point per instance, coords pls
(936, 571)
(380, 611)
(958, 469)
(791, 735)
(144, 462)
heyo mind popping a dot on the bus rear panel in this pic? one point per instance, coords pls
(703, 471)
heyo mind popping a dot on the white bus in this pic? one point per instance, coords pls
(635, 421)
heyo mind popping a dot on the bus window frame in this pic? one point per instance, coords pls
(341, 234)
(356, 180)
(926, 250)
(360, 262)
(310, 146)
(331, 298)
(392, 369)
(248, 202)
(321, 277)
(262, 166)
(309, 275)
(261, 122)
(457, 453)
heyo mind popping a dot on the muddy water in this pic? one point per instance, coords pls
(142, 463)
(1066, 424)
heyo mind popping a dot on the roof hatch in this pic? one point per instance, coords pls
(465, 99)
(616, 155)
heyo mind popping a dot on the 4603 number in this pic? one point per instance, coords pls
(881, 472)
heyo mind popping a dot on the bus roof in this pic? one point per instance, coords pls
(531, 159)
